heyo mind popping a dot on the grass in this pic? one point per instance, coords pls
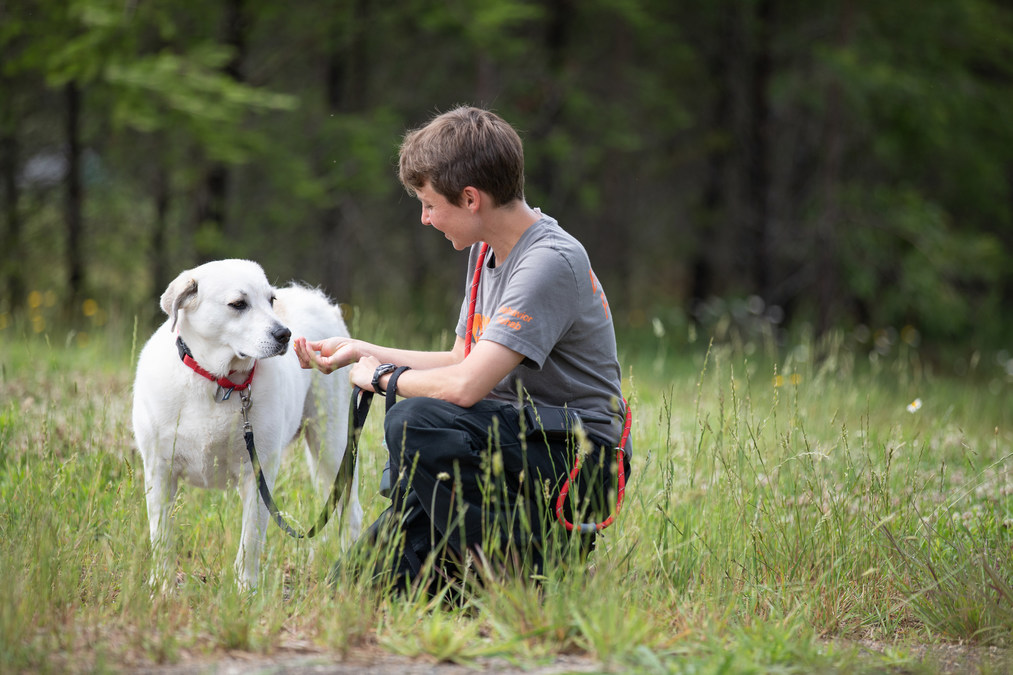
(782, 510)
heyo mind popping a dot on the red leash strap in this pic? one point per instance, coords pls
(620, 454)
(474, 297)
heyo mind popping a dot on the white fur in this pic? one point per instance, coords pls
(183, 431)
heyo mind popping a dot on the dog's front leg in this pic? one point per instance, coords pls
(255, 521)
(160, 484)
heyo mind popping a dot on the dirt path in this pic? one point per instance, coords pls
(365, 662)
(308, 660)
(947, 659)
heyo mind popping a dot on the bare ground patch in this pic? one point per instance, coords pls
(307, 660)
(296, 657)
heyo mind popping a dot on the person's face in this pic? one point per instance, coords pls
(457, 223)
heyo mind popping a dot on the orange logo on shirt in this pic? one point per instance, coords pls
(596, 288)
(481, 321)
(511, 318)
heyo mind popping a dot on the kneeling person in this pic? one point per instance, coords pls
(473, 469)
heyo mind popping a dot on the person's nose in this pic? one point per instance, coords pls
(425, 217)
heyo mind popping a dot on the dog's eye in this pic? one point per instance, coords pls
(238, 305)
(273, 298)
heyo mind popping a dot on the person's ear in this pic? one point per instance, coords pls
(471, 198)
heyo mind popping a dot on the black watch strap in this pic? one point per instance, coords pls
(380, 371)
(392, 385)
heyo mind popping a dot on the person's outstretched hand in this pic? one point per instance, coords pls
(326, 355)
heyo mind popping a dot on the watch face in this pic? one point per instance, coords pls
(380, 371)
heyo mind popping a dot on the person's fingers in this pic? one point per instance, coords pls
(323, 363)
(302, 353)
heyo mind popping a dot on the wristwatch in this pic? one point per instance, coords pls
(380, 371)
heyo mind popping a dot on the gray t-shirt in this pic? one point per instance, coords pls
(545, 303)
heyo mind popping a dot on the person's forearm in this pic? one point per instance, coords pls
(420, 360)
(331, 354)
(463, 382)
(444, 383)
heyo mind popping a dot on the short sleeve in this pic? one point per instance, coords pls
(536, 305)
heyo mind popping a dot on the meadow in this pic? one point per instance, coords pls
(792, 508)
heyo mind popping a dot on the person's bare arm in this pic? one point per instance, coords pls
(334, 353)
(464, 382)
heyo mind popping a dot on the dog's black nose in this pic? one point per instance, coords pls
(281, 334)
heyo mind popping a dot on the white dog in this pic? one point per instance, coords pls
(231, 323)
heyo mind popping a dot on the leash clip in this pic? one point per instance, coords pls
(246, 402)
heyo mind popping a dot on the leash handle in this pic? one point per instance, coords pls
(587, 528)
(391, 395)
(361, 400)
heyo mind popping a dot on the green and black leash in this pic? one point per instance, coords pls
(358, 410)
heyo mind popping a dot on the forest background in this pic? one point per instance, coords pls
(749, 166)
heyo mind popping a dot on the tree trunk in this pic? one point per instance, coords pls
(613, 236)
(757, 245)
(159, 263)
(345, 90)
(211, 208)
(211, 212)
(74, 199)
(235, 24)
(551, 102)
(347, 74)
(827, 270)
(714, 201)
(12, 270)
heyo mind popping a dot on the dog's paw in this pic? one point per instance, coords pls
(246, 587)
(164, 583)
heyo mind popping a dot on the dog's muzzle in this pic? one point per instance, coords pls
(281, 335)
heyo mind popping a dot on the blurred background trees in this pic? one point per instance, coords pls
(838, 164)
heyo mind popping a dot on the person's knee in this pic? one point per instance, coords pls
(419, 413)
(413, 423)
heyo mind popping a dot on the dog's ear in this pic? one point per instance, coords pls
(180, 291)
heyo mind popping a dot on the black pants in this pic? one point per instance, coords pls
(470, 480)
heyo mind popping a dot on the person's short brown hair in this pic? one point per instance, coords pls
(464, 146)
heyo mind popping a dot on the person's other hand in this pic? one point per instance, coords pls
(362, 373)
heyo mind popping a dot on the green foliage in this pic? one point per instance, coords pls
(883, 188)
(909, 266)
(924, 238)
(491, 28)
(189, 92)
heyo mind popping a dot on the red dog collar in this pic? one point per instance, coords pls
(223, 382)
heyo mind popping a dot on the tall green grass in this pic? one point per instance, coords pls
(782, 508)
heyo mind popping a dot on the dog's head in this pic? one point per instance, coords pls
(224, 312)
